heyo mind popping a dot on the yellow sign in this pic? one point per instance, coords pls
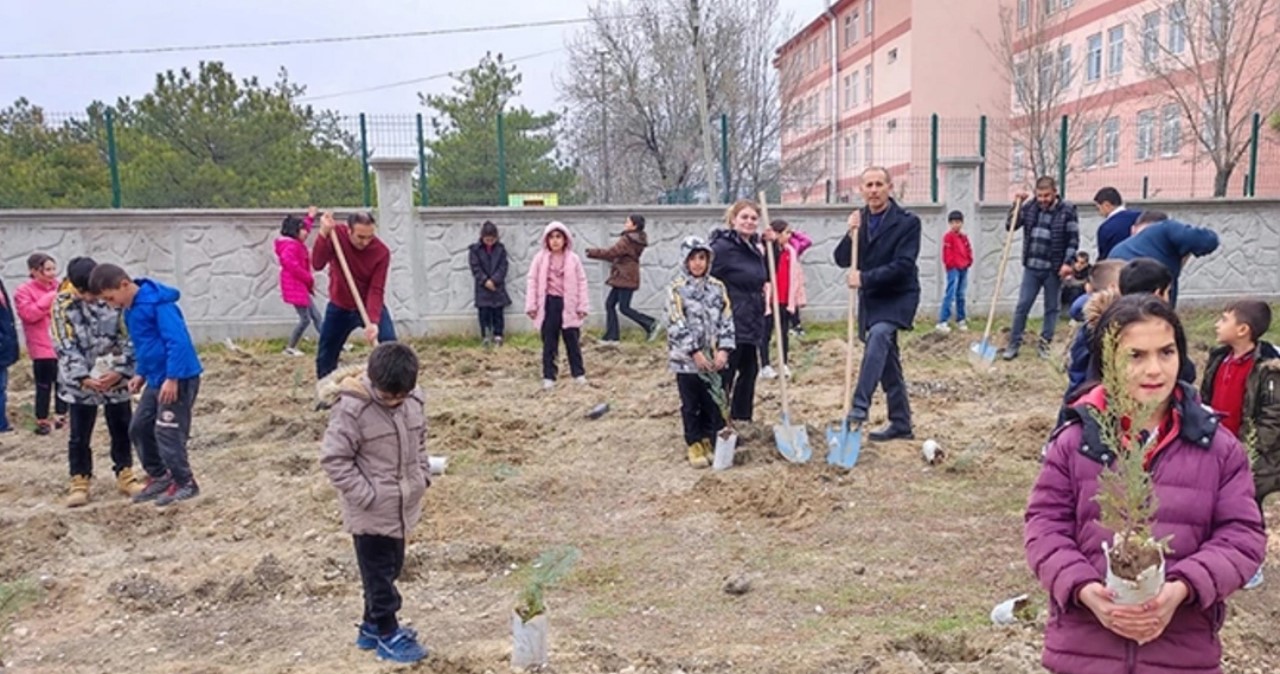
(520, 199)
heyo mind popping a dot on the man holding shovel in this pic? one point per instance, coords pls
(362, 261)
(888, 283)
(1050, 239)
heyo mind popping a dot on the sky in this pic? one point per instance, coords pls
(68, 85)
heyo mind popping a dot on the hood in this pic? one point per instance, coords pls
(639, 239)
(152, 292)
(342, 380)
(557, 226)
(1097, 304)
(724, 233)
(689, 246)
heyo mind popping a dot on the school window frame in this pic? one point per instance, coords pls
(868, 17)
(1089, 147)
(1146, 145)
(1065, 72)
(1177, 15)
(1151, 36)
(1111, 141)
(1024, 13)
(1093, 57)
(1171, 130)
(1115, 50)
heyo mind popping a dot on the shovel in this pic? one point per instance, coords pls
(983, 354)
(793, 442)
(844, 446)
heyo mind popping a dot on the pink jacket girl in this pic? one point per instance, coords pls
(556, 299)
(297, 284)
(34, 302)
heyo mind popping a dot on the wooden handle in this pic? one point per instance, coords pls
(773, 301)
(852, 332)
(1004, 260)
(346, 273)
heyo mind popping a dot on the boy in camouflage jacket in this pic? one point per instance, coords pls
(699, 338)
(95, 363)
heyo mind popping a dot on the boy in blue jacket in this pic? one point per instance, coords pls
(169, 368)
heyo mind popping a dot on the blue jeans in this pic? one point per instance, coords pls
(882, 366)
(956, 281)
(338, 324)
(4, 399)
(1033, 281)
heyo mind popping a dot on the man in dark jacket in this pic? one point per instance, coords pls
(1117, 221)
(1051, 236)
(888, 283)
(624, 278)
(1167, 241)
(8, 354)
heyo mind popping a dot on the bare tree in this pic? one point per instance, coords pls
(1048, 82)
(1219, 63)
(646, 51)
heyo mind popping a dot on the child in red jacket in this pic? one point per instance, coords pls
(957, 257)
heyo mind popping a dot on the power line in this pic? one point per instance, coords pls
(297, 41)
(416, 80)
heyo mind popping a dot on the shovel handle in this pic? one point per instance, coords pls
(1004, 260)
(852, 328)
(773, 301)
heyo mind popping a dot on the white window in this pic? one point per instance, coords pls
(825, 115)
(1050, 6)
(870, 7)
(845, 101)
(1178, 27)
(1024, 12)
(850, 153)
(1068, 3)
(1219, 20)
(856, 35)
(1146, 135)
(1065, 72)
(1171, 130)
(1090, 146)
(866, 82)
(1094, 60)
(1045, 76)
(867, 148)
(848, 30)
(1115, 50)
(1150, 37)
(853, 88)
(1019, 163)
(1020, 90)
(1111, 141)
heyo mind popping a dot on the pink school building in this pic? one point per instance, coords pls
(860, 82)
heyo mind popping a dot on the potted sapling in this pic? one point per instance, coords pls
(529, 619)
(1126, 499)
(727, 437)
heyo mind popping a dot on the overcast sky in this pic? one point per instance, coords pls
(70, 84)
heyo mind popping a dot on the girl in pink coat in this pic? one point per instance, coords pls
(556, 299)
(297, 284)
(34, 302)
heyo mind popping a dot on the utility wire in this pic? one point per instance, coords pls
(293, 42)
(416, 80)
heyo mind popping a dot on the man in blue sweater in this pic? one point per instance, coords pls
(1117, 221)
(1167, 241)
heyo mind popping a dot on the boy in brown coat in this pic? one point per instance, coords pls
(374, 452)
(624, 279)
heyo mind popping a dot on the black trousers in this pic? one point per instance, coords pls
(83, 419)
(698, 410)
(492, 321)
(739, 380)
(788, 322)
(620, 299)
(161, 431)
(381, 559)
(45, 371)
(552, 331)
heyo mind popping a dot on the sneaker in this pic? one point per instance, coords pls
(581, 379)
(652, 333)
(367, 637)
(153, 489)
(798, 331)
(400, 646)
(497, 341)
(177, 492)
(1009, 353)
(126, 483)
(1255, 582)
(59, 423)
(78, 495)
(943, 328)
(767, 372)
(608, 342)
(290, 351)
(548, 384)
(962, 326)
(1042, 350)
(43, 427)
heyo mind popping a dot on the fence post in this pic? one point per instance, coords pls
(364, 162)
(724, 153)
(933, 158)
(1062, 159)
(113, 162)
(502, 163)
(1252, 183)
(422, 164)
(982, 152)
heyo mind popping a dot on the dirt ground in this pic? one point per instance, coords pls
(890, 568)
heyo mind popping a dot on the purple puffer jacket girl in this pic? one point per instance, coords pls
(1206, 502)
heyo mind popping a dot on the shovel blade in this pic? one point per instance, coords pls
(844, 445)
(983, 353)
(792, 441)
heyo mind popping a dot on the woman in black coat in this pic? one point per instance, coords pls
(738, 262)
(489, 267)
(8, 354)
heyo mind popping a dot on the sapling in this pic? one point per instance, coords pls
(715, 384)
(547, 570)
(1126, 500)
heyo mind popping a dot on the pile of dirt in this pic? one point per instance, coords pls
(790, 499)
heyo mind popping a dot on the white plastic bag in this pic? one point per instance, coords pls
(529, 641)
(725, 447)
(1135, 592)
(1006, 612)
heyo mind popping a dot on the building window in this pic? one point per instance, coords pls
(1050, 6)
(825, 115)
(1024, 12)
(866, 81)
(848, 94)
(869, 13)
(1111, 141)
(851, 153)
(848, 35)
(1178, 27)
(1171, 130)
(1094, 60)
(1090, 146)
(1150, 37)
(1115, 50)
(1064, 67)
(1068, 3)
(1146, 135)
(856, 34)
(1219, 20)
(1045, 78)
(853, 88)
(1019, 163)
(867, 148)
(1020, 81)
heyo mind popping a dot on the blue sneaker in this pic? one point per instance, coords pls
(401, 646)
(367, 637)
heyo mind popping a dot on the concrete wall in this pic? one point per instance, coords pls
(224, 263)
